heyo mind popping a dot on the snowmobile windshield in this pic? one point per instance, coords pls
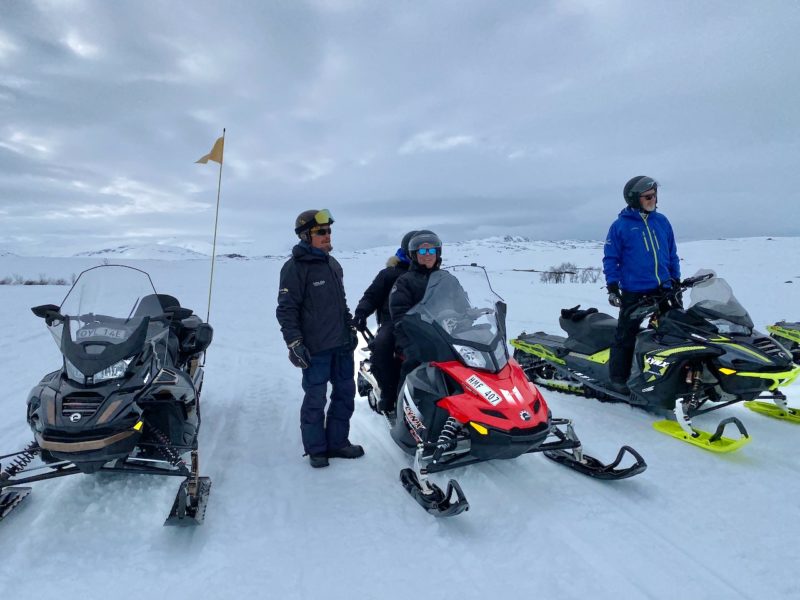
(714, 301)
(460, 303)
(111, 314)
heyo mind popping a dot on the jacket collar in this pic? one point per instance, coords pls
(304, 251)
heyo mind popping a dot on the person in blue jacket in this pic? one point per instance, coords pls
(640, 258)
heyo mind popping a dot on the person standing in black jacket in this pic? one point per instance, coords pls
(318, 330)
(425, 250)
(376, 300)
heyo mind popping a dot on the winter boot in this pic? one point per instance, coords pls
(619, 386)
(348, 451)
(318, 460)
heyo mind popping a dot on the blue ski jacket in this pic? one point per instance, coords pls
(640, 253)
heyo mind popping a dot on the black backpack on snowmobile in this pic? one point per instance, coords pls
(686, 362)
(127, 396)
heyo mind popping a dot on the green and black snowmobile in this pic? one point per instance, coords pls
(788, 334)
(686, 362)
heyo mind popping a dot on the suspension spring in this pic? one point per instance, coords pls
(166, 448)
(447, 438)
(20, 462)
(693, 399)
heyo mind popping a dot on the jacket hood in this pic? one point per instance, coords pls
(304, 251)
(394, 261)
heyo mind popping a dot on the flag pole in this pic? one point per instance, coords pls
(216, 220)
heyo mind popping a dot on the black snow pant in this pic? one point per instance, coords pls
(321, 434)
(619, 362)
(385, 366)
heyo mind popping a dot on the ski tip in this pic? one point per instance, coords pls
(702, 439)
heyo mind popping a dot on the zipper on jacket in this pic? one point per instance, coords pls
(655, 256)
(644, 240)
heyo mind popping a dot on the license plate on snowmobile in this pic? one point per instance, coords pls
(477, 384)
(102, 332)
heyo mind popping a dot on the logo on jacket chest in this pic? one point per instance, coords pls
(318, 283)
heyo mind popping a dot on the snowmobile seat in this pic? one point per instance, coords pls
(588, 331)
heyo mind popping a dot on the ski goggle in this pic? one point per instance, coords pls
(424, 251)
(323, 217)
(648, 196)
(320, 231)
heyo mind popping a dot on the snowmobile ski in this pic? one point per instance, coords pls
(190, 508)
(568, 451)
(10, 498)
(775, 411)
(589, 465)
(436, 502)
(715, 442)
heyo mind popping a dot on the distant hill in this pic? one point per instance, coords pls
(155, 251)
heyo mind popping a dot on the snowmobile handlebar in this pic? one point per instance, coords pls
(692, 281)
(650, 304)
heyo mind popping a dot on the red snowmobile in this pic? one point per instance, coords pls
(468, 401)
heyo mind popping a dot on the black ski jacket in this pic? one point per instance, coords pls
(408, 290)
(376, 296)
(311, 300)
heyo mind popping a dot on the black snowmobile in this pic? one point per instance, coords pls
(686, 362)
(788, 335)
(467, 402)
(127, 396)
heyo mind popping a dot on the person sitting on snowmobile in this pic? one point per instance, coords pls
(376, 299)
(640, 259)
(425, 250)
(317, 328)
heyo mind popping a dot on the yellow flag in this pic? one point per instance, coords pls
(215, 154)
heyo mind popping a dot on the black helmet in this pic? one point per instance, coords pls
(636, 187)
(308, 219)
(407, 238)
(424, 236)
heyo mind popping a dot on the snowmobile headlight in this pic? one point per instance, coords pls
(471, 356)
(115, 371)
(73, 373)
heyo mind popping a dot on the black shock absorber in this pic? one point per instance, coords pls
(695, 375)
(22, 460)
(447, 438)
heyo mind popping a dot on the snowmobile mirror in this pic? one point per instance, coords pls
(48, 312)
(501, 308)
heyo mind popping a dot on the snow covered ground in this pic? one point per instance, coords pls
(693, 525)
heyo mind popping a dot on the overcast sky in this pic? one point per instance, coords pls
(472, 118)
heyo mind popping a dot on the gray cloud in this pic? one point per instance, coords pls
(475, 118)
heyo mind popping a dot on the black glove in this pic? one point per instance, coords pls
(299, 355)
(360, 322)
(614, 297)
(353, 339)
